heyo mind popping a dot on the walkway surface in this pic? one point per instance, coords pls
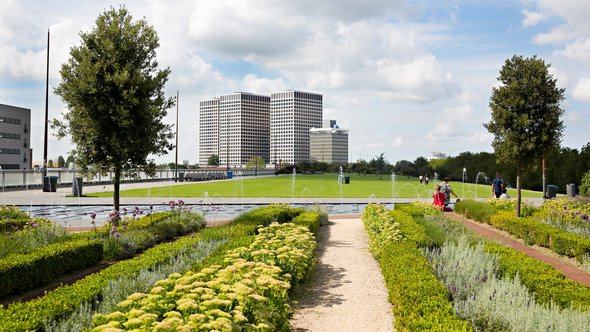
(347, 291)
(565, 265)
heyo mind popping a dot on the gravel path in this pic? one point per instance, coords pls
(347, 291)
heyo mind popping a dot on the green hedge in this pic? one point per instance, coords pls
(23, 272)
(475, 210)
(420, 301)
(536, 232)
(32, 315)
(545, 282)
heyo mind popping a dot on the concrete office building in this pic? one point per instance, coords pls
(236, 127)
(292, 115)
(329, 144)
(15, 137)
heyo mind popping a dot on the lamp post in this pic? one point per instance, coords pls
(176, 160)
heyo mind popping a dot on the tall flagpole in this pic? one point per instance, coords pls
(176, 161)
(46, 114)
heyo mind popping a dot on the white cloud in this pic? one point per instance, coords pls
(582, 90)
(532, 18)
(559, 34)
(578, 50)
(397, 141)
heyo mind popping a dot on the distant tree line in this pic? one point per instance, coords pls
(563, 166)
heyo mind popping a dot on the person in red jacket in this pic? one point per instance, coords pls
(439, 198)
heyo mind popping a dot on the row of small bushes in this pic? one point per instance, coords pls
(33, 315)
(13, 219)
(420, 301)
(22, 272)
(536, 232)
(250, 293)
(548, 284)
(529, 229)
(60, 303)
(71, 252)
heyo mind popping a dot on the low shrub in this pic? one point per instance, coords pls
(420, 301)
(308, 219)
(536, 232)
(250, 293)
(22, 272)
(545, 282)
(475, 210)
(62, 302)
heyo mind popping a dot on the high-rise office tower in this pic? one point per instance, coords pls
(292, 115)
(235, 127)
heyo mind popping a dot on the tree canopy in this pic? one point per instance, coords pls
(526, 113)
(213, 160)
(113, 89)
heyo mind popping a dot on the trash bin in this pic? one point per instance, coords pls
(180, 176)
(551, 191)
(346, 179)
(230, 174)
(50, 184)
(570, 188)
(77, 187)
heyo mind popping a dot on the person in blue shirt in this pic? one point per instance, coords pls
(497, 185)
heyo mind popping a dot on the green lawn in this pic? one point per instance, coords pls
(318, 186)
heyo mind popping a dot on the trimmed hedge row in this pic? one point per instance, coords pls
(420, 301)
(32, 315)
(545, 282)
(22, 272)
(536, 232)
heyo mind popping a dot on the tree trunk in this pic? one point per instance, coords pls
(518, 198)
(116, 183)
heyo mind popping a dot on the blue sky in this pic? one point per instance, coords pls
(405, 77)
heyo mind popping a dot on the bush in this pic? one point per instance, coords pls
(250, 293)
(479, 211)
(585, 185)
(62, 302)
(22, 272)
(536, 232)
(545, 282)
(420, 301)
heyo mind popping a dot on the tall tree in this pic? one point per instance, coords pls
(379, 165)
(526, 114)
(115, 95)
(213, 160)
(256, 163)
(61, 162)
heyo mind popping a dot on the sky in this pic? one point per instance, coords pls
(406, 78)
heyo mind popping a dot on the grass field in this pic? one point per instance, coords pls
(317, 186)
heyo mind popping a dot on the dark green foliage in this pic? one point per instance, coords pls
(585, 185)
(115, 96)
(23, 272)
(213, 160)
(479, 211)
(526, 114)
